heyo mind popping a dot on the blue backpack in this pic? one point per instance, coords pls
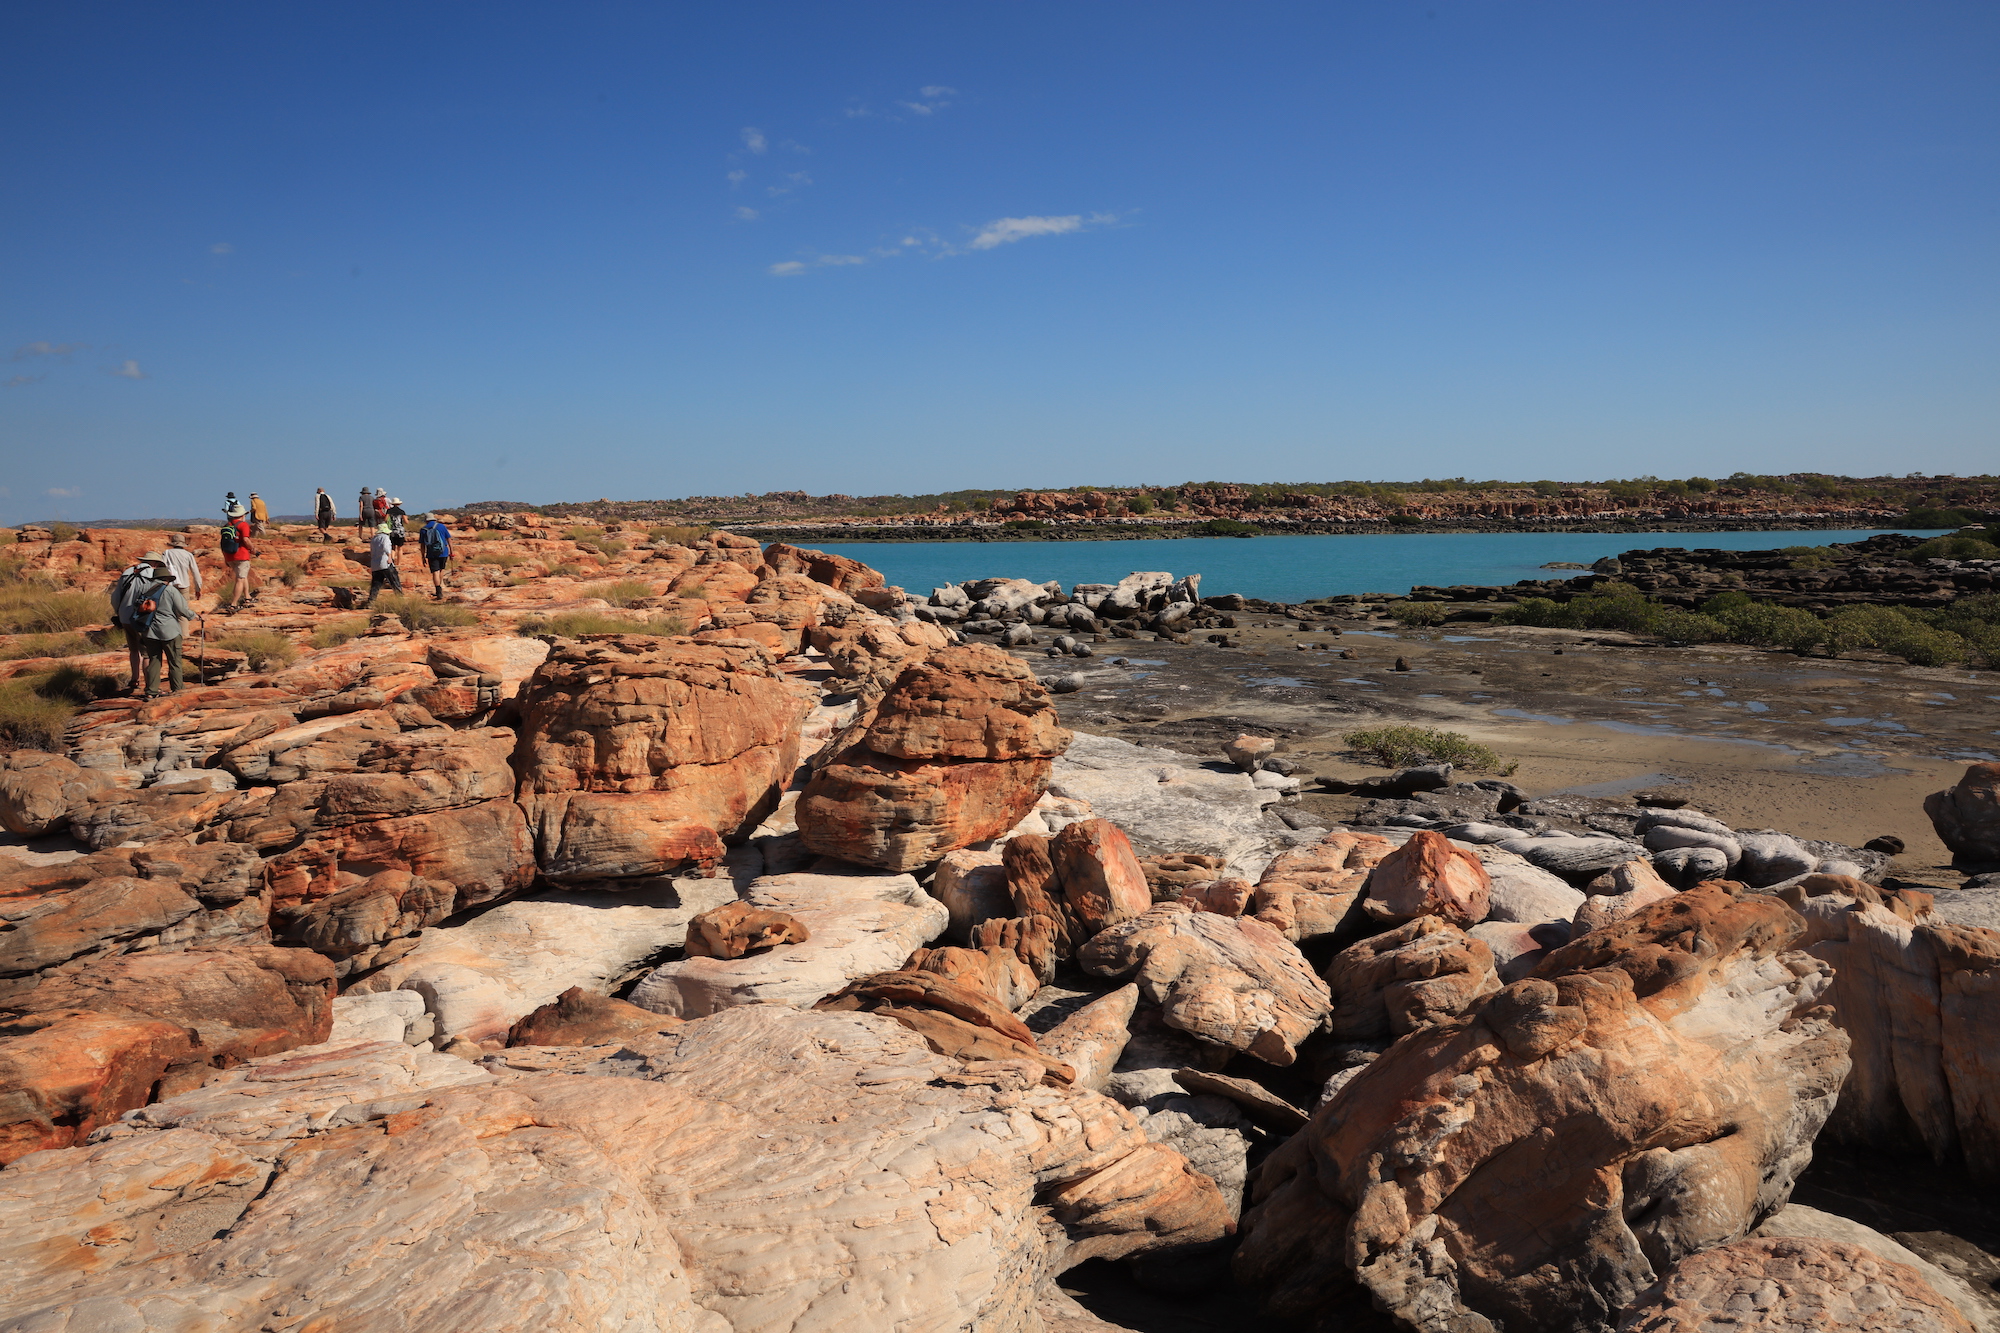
(229, 540)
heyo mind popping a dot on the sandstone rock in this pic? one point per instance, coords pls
(1632, 876)
(1602, 909)
(1791, 1283)
(973, 887)
(481, 977)
(1519, 949)
(241, 1001)
(38, 791)
(164, 897)
(1577, 860)
(1526, 893)
(579, 1017)
(1173, 873)
(1685, 867)
(63, 1074)
(839, 572)
(996, 970)
(538, 1176)
(1420, 974)
(1168, 802)
(1101, 877)
(1314, 892)
(737, 928)
(965, 1022)
(1969, 979)
(364, 924)
(640, 755)
(1651, 1093)
(1770, 857)
(1427, 876)
(859, 925)
(1258, 1102)
(1091, 1039)
(274, 748)
(119, 817)
(395, 1015)
(957, 752)
(1966, 815)
(1982, 1312)
(483, 851)
(1232, 982)
(1247, 752)
(1032, 939)
(1229, 897)
(1037, 892)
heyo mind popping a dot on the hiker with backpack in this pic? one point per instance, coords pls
(382, 571)
(366, 522)
(434, 540)
(181, 562)
(260, 515)
(399, 531)
(156, 609)
(323, 513)
(237, 553)
(130, 577)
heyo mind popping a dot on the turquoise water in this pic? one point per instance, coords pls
(1296, 569)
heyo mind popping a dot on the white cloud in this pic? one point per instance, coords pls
(918, 107)
(795, 180)
(935, 97)
(936, 90)
(754, 140)
(20, 380)
(65, 492)
(1005, 231)
(746, 214)
(790, 268)
(793, 146)
(27, 350)
(129, 371)
(858, 112)
(738, 176)
(222, 248)
(837, 260)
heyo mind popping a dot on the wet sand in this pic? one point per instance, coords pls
(1838, 749)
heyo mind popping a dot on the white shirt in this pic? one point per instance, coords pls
(187, 574)
(381, 552)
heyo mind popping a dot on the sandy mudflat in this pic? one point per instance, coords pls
(1844, 750)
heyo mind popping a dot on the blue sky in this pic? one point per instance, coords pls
(549, 252)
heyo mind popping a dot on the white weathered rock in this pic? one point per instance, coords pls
(859, 925)
(1171, 802)
(395, 1015)
(1525, 893)
(973, 888)
(479, 978)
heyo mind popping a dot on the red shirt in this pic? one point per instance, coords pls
(243, 551)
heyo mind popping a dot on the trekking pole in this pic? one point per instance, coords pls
(201, 647)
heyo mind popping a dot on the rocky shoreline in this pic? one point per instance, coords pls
(807, 962)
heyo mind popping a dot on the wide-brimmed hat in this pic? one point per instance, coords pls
(155, 558)
(234, 511)
(395, 499)
(177, 539)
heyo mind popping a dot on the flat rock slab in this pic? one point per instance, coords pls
(859, 925)
(480, 978)
(1171, 802)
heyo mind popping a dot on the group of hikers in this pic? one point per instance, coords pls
(154, 595)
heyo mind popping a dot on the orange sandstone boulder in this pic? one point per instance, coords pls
(958, 752)
(64, 1074)
(1428, 876)
(640, 755)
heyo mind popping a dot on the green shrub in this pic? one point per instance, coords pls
(624, 592)
(491, 535)
(290, 573)
(569, 624)
(581, 535)
(1404, 520)
(1139, 504)
(333, 633)
(504, 559)
(35, 708)
(1229, 527)
(1403, 746)
(612, 546)
(677, 536)
(1957, 547)
(264, 648)
(62, 532)
(1025, 524)
(1923, 516)
(30, 609)
(566, 570)
(421, 613)
(1765, 625)
(1420, 613)
(1899, 632)
(1810, 557)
